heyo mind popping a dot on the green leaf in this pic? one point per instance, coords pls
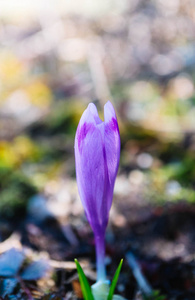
(85, 287)
(158, 296)
(114, 281)
(155, 296)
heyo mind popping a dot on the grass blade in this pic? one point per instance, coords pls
(114, 281)
(85, 287)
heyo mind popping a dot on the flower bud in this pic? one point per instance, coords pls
(97, 153)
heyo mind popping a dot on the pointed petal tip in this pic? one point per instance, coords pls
(91, 106)
(89, 115)
(108, 106)
(94, 112)
(109, 112)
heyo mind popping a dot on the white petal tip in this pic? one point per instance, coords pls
(109, 112)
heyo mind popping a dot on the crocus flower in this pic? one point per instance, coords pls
(97, 152)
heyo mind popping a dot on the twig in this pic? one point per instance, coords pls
(141, 280)
(25, 289)
(95, 57)
(68, 265)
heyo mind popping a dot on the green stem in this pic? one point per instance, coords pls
(100, 256)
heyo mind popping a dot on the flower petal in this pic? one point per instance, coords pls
(97, 151)
(88, 121)
(90, 173)
(90, 115)
(112, 146)
(94, 113)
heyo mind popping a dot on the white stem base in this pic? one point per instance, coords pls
(100, 291)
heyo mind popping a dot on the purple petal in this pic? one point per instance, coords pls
(87, 123)
(90, 173)
(90, 115)
(97, 151)
(93, 110)
(112, 146)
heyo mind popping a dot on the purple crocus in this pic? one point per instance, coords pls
(97, 153)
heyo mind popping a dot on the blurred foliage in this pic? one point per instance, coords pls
(39, 93)
(16, 152)
(15, 191)
(53, 65)
(65, 117)
(12, 70)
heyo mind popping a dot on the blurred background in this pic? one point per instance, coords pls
(55, 58)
